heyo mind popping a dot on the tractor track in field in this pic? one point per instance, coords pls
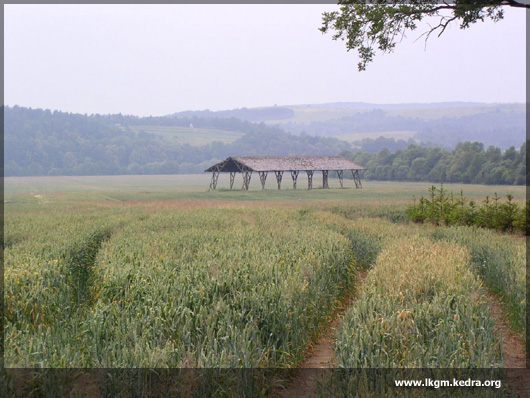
(513, 351)
(321, 355)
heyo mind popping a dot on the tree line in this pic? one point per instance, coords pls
(468, 162)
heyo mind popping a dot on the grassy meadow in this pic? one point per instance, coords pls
(155, 271)
(195, 186)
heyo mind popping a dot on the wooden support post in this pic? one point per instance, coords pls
(340, 174)
(279, 176)
(294, 176)
(309, 179)
(356, 178)
(246, 180)
(215, 177)
(359, 178)
(325, 184)
(262, 178)
(232, 179)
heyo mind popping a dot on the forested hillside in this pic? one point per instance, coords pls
(469, 162)
(41, 142)
(441, 124)
(501, 126)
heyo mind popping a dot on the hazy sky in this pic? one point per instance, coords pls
(159, 59)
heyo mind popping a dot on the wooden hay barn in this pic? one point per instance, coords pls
(278, 165)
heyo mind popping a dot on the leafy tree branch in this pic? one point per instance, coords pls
(379, 25)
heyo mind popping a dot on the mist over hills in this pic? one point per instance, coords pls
(444, 124)
(44, 142)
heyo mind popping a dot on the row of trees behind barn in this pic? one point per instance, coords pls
(468, 162)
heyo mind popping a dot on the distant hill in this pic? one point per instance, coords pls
(42, 142)
(445, 123)
(248, 114)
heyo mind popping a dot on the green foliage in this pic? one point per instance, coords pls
(420, 307)
(79, 260)
(47, 270)
(41, 142)
(366, 248)
(209, 288)
(444, 208)
(111, 285)
(501, 264)
(367, 28)
(393, 213)
(367, 235)
(468, 163)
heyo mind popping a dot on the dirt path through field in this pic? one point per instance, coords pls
(321, 355)
(513, 351)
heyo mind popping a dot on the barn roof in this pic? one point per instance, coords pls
(269, 163)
